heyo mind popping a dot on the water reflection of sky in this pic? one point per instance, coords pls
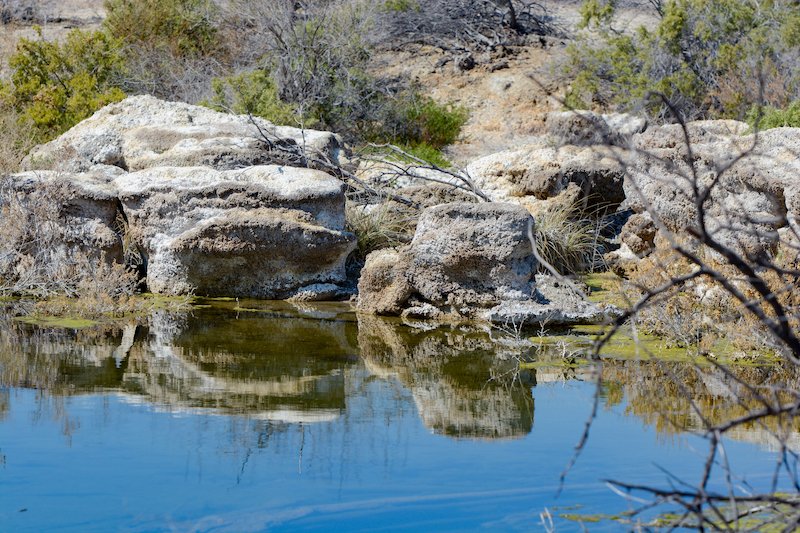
(199, 426)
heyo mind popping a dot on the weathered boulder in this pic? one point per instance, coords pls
(539, 172)
(466, 261)
(144, 132)
(752, 179)
(265, 231)
(584, 128)
(472, 254)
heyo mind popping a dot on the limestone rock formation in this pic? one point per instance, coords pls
(62, 214)
(752, 180)
(182, 188)
(262, 232)
(144, 132)
(539, 172)
(467, 261)
(584, 128)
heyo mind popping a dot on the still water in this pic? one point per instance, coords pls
(289, 417)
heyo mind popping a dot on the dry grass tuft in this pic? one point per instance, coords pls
(567, 238)
(16, 140)
(378, 226)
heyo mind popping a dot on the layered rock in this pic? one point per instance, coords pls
(466, 261)
(144, 132)
(181, 186)
(263, 232)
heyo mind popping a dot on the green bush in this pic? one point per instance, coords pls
(401, 6)
(428, 153)
(255, 93)
(57, 85)
(764, 118)
(708, 58)
(412, 120)
(418, 124)
(183, 27)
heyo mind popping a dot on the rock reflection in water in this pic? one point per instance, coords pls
(463, 384)
(288, 363)
(276, 364)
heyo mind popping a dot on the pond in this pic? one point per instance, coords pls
(253, 416)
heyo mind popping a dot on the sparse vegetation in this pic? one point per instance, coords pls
(764, 118)
(709, 59)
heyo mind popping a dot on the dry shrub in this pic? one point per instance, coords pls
(16, 139)
(37, 260)
(701, 313)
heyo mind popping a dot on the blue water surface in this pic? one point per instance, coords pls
(120, 459)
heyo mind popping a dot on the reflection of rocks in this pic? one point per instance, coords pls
(245, 365)
(461, 382)
(288, 368)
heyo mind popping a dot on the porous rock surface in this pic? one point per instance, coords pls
(74, 212)
(586, 128)
(466, 261)
(230, 227)
(753, 179)
(541, 171)
(264, 231)
(143, 132)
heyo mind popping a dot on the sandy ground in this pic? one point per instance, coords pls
(509, 96)
(57, 17)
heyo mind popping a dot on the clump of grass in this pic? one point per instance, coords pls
(566, 238)
(377, 227)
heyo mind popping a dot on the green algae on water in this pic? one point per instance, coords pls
(57, 322)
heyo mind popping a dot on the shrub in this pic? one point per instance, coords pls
(254, 93)
(764, 118)
(172, 48)
(181, 27)
(57, 85)
(708, 58)
(434, 124)
(418, 124)
(17, 137)
(428, 153)
(401, 6)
